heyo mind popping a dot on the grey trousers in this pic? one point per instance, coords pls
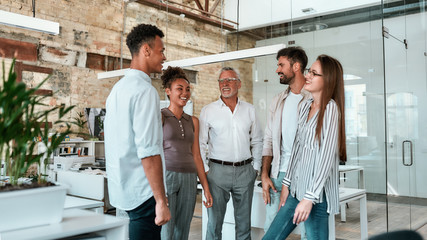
(239, 181)
(181, 191)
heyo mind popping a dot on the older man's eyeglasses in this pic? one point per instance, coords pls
(222, 80)
(310, 74)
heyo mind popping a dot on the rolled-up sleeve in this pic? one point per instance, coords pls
(146, 124)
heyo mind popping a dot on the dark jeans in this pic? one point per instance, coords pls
(141, 222)
(316, 226)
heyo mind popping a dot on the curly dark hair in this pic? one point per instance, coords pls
(143, 33)
(171, 74)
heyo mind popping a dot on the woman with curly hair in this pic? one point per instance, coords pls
(310, 188)
(182, 156)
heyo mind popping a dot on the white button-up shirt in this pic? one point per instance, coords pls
(132, 131)
(230, 136)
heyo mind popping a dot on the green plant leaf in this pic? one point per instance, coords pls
(22, 120)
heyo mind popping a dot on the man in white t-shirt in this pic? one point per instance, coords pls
(281, 127)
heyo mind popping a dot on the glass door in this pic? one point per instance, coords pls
(406, 115)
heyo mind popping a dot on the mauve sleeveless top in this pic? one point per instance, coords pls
(178, 137)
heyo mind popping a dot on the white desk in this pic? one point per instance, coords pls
(74, 222)
(83, 203)
(361, 184)
(351, 168)
(348, 195)
(83, 185)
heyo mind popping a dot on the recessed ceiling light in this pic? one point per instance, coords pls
(308, 10)
(313, 27)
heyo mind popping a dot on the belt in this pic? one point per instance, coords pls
(234, 164)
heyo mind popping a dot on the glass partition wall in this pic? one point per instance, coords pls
(382, 47)
(406, 100)
(386, 99)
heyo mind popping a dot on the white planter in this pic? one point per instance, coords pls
(31, 207)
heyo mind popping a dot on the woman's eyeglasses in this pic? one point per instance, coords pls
(310, 74)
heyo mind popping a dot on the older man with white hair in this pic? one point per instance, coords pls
(230, 133)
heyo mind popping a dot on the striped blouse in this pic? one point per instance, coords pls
(313, 169)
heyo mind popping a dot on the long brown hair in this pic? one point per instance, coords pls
(333, 88)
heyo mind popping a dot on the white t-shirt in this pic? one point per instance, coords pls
(289, 128)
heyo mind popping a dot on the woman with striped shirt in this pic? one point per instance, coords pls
(310, 188)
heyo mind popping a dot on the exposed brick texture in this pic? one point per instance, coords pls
(20, 50)
(90, 42)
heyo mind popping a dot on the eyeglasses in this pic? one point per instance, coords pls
(222, 80)
(310, 74)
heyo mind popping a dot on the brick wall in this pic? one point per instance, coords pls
(89, 41)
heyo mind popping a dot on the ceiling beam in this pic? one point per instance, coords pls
(206, 5)
(191, 15)
(199, 5)
(214, 6)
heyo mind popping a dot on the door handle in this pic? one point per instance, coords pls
(404, 143)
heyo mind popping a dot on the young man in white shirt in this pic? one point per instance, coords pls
(230, 132)
(281, 127)
(133, 138)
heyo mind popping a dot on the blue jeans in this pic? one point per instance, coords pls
(272, 208)
(141, 222)
(316, 226)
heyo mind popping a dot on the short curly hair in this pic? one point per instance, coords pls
(143, 33)
(171, 74)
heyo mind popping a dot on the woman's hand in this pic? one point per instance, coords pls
(283, 196)
(208, 202)
(302, 211)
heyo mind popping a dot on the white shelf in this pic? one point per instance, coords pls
(96, 148)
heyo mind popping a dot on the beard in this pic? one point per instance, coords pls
(287, 79)
(228, 95)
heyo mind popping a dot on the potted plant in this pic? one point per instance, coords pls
(81, 122)
(23, 121)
